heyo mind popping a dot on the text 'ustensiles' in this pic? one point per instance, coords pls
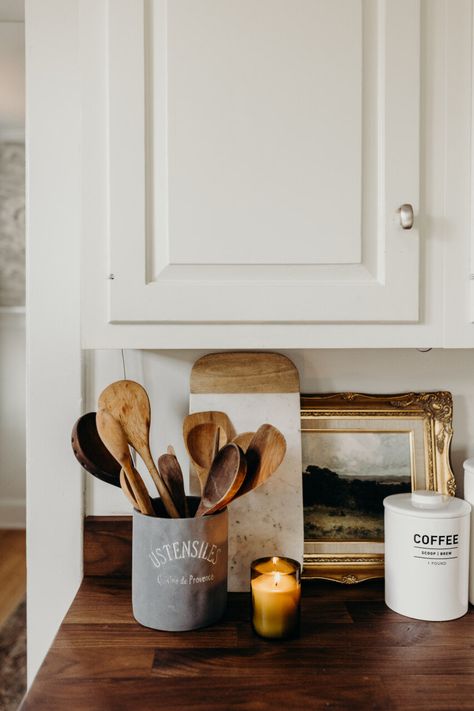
(179, 550)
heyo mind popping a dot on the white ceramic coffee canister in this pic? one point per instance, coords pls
(427, 555)
(469, 496)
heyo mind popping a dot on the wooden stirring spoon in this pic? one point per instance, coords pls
(226, 476)
(202, 444)
(113, 436)
(172, 475)
(264, 455)
(128, 402)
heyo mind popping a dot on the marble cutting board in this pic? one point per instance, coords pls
(254, 388)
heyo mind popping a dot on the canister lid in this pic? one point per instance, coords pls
(469, 466)
(427, 504)
(429, 499)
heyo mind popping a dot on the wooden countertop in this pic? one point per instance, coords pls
(353, 653)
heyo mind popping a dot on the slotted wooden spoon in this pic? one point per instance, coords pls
(113, 436)
(128, 402)
(202, 444)
(226, 476)
(215, 416)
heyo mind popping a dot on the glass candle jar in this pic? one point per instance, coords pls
(276, 593)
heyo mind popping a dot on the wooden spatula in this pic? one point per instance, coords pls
(172, 475)
(113, 436)
(226, 476)
(128, 402)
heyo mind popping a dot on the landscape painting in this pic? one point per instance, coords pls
(347, 475)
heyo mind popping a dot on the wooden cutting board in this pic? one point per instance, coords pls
(254, 388)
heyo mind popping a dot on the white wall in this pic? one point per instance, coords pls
(165, 375)
(12, 420)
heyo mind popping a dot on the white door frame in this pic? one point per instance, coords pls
(54, 370)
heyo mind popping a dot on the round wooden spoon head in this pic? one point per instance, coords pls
(91, 452)
(172, 475)
(264, 455)
(128, 402)
(226, 476)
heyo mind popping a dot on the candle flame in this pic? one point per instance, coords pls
(275, 559)
(277, 578)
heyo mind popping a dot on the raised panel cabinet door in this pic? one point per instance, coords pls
(258, 154)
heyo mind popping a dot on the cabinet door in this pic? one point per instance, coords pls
(258, 153)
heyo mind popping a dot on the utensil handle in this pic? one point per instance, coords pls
(125, 486)
(201, 511)
(139, 490)
(201, 473)
(161, 486)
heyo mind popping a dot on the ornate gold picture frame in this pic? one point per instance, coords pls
(396, 442)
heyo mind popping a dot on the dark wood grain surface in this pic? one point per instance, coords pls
(353, 652)
(108, 546)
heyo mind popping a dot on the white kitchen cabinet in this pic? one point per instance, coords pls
(243, 168)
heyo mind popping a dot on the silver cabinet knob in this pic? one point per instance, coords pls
(406, 216)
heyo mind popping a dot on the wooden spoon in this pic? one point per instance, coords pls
(128, 402)
(202, 443)
(243, 440)
(113, 436)
(172, 475)
(264, 455)
(226, 476)
(91, 452)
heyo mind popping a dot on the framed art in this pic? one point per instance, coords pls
(357, 449)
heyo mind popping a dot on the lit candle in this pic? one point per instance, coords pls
(276, 594)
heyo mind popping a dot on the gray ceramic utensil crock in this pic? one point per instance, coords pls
(179, 569)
